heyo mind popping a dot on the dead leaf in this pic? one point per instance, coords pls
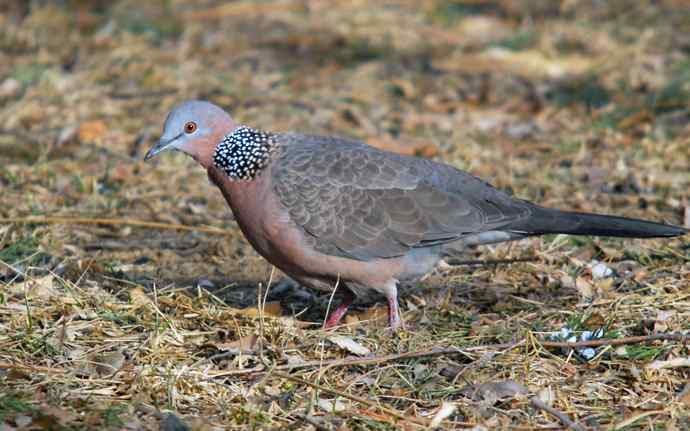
(604, 286)
(660, 323)
(670, 363)
(41, 287)
(331, 406)
(594, 321)
(272, 308)
(494, 391)
(139, 298)
(641, 275)
(347, 343)
(446, 410)
(584, 287)
(246, 344)
(91, 131)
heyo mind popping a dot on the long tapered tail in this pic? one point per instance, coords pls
(547, 220)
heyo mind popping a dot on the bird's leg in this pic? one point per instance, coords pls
(347, 298)
(394, 320)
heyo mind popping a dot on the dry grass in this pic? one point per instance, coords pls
(117, 319)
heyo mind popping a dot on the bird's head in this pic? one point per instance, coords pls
(195, 128)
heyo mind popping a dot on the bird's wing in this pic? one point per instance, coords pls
(356, 201)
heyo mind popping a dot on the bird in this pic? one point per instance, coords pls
(334, 213)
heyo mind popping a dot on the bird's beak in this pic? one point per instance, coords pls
(162, 145)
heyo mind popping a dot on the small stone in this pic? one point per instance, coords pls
(600, 270)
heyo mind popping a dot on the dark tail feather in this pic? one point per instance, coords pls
(546, 220)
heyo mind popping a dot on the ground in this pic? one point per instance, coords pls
(129, 297)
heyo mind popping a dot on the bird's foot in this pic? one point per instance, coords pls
(337, 314)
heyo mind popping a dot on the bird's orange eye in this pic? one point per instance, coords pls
(190, 127)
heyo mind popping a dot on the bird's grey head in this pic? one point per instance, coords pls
(194, 127)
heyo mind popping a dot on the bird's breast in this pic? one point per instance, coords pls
(267, 226)
(262, 219)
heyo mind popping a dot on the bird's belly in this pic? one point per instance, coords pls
(419, 261)
(268, 228)
(261, 219)
(284, 245)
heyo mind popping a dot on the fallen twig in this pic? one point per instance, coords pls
(114, 222)
(617, 341)
(375, 360)
(565, 420)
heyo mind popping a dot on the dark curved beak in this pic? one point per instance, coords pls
(162, 145)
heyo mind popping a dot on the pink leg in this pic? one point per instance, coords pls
(347, 298)
(394, 319)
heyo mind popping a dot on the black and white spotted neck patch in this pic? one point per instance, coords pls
(243, 153)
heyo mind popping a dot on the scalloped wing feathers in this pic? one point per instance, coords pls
(356, 201)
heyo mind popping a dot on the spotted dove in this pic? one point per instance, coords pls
(334, 212)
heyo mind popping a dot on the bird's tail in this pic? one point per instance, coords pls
(547, 220)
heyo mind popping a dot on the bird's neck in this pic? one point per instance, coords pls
(244, 153)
